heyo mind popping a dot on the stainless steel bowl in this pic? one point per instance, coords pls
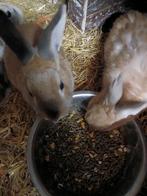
(136, 162)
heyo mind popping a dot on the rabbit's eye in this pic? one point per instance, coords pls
(30, 94)
(8, 14)
(61, 85)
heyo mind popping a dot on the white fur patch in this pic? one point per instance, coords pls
(117, 48)
(128, 38)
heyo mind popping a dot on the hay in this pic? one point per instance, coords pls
(14, 128)
(16, 118)
(82, 50)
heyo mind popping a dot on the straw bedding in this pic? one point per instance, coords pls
(16, 118)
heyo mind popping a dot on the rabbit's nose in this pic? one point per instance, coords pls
(52, 112)
(49, 109)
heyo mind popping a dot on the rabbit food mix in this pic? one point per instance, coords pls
(76, 159)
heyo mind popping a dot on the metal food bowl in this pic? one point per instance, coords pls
(135, 165)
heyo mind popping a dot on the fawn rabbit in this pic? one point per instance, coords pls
(35, 66)
(124, 92)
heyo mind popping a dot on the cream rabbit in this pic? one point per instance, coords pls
(35, 67)
(124, 92)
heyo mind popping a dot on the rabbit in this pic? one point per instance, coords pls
(5, 86)
(13, 12)
(36, 66)
(124, 93)
(16, 16)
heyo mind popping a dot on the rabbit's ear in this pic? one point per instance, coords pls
(13, 38)
(51, 38)
(115, 90)
(131, 109)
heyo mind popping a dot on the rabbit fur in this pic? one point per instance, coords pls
(13, 12)
(124, 93)
(16, 16)
(37, 69)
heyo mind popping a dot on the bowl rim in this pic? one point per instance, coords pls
(35, 176)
